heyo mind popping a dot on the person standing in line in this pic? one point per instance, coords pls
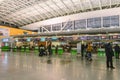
(82, 50)
(117, 50)
(49, 47)
(89, 52)
(56, 49)
(109, 54)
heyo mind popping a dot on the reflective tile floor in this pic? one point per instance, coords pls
(19, 66)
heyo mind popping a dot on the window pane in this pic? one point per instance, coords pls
(68, 25)
(115, 20)
(106, 21)
(97, 22)
(90, 23)
(56, 27)
(80, 24)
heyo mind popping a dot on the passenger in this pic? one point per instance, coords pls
(117, 51)
(69, 48)
(89, 52)
(56, 50)
(82, 50)
(49, 48)
(109, 54)
(42, 50)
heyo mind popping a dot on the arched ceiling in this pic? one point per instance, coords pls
(24, 12)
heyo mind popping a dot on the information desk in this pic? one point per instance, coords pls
(5, 48)
(101, 52)
(74, 51)
(60, 51)
(15, 49)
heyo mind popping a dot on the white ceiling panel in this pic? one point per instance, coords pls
(24, 12)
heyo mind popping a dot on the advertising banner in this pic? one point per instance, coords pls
(4, 32)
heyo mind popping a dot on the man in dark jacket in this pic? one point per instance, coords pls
(117, 49)
(109, 54)
(82, 50)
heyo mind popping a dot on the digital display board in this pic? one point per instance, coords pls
(104, 37)
(5, 40)
(115, 37)
(54, 38)
(97, 38)
(90, 37)
(42, 39)
(61, 38)
(70, 38)
(28, 39)
(83, 38)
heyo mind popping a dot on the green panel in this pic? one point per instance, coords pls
(60, 51)
(101, 52)
(15, 49)
(22, 49)
(36, 50)
(5, 48)
(53, 51)
(73, 52)
(27, 49)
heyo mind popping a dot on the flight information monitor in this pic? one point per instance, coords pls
(5, 40)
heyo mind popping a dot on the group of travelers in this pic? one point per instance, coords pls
(110, 51)
(45, 50)
(86, 51)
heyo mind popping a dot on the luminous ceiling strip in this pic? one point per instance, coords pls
(46, 11)
(23, 19)
(90, 3)
(39, 13)
(7, 19)
(81, 6)
(58, 7)
(34, 18)
(52, 10)
(110, 3)
(14, 21)
(100, 4)
(73, 6)
(66, 6)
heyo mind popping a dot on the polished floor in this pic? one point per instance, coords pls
(19, 66)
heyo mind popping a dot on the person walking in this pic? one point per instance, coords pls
(82, 50)
(117, 50)
(49, 47)
(89, 52)
(109, 54)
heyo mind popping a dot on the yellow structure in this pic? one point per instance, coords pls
(14, 31)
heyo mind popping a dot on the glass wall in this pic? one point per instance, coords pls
(106, 21)
(96, 22)
(111, 21)
(48, 27)
(68, 25)
(115, 20)
(80, 24)
(56, 27)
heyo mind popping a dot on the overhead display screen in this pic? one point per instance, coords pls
(83, 38)
(61, 38)
(96, 38)
(5, 40)
(105, 37)
(28, 39)
(90, 37)
(42, 39)
(54, 38)
(70, 38)
(115, 37)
